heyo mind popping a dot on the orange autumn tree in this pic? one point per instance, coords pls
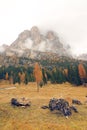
(6, 76)
(82, 73)
(65, 71)
(38, 75)
(22, 77)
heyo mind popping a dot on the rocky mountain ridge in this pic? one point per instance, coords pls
(31, 42)
(32, 46)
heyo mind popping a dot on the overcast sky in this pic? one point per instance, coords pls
(67, 17)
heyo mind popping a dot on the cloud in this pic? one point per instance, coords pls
(28, 43)
(67, 17)
(2, 49)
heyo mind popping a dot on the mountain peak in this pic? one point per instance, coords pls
(33, 40)
(35, 35)
(51, 35)
(3, 48)
(24, 35)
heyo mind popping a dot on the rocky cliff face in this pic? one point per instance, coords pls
(29, 42)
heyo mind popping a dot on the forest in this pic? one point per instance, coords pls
(74, 72)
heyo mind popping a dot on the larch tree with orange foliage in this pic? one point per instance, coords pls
(22, 77)
(65, 72)
(82, 73)
(6, 76)
(38, 75)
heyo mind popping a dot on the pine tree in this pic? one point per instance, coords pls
(60, 76)
(44, 76)
(73, 75)
(26, 78)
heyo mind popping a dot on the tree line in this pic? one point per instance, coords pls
(75, 73)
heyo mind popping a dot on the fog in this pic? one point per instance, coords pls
(66, 17)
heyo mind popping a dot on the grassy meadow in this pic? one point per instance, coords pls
(35, 118)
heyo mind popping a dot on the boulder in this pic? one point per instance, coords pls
(75, 101)
(61, 105)
(45, 107)
(23, 102)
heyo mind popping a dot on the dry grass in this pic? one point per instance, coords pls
(35, 118)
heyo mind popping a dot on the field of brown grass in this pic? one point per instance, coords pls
(35, 118)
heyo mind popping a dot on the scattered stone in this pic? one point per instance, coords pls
(85, 84)
(74, 109)
(61, 105)
(75, 101)
(41, 84)
(45, 107)
(23, 102)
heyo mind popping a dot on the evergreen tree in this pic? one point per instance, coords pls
(73, 75)
(26, 78)
(44, 77)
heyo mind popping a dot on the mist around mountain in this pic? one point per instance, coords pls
(46, 49)
(34, 44)
(30, 42)
(83, 57)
